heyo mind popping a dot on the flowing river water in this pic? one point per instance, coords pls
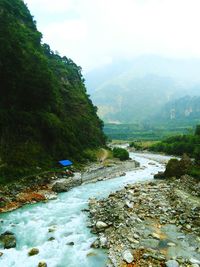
(64, 220)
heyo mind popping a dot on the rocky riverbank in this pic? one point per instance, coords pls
(45, 187)
(150, 224)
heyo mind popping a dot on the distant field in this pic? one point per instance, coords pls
(136, 132)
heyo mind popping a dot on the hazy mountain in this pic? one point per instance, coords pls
(133, 90)
(181, 110)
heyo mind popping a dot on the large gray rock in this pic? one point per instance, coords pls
(66, 185)
(8, 240)
(172, 263)
(127, 256)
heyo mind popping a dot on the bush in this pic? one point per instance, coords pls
(177, 168)
(120, 153)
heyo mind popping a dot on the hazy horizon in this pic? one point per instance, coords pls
(97, 32)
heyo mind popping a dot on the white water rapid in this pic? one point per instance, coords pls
(64, 220)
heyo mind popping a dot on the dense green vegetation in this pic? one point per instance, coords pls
(120, 153)
(143, 131)
(179, 145)
(45, 112)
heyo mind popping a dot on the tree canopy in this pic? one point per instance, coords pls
(45, 112)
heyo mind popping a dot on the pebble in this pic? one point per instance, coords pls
(155, 235)
(170, 244)
(127, 256)
(172, 263)
(100, 225)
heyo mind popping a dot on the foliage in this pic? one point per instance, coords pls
(177, 168)
(178, 145)
(136, 145)
(140, 132)
(45, 112)
(120, 153)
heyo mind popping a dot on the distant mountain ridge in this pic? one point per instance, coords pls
(135, 90)
(184, 108)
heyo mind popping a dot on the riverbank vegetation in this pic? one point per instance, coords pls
(45, 112)
(179, 145)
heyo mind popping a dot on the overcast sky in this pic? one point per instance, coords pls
(94, 32)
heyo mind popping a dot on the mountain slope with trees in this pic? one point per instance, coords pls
(45, 112)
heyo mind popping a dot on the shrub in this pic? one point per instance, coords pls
(120, 153)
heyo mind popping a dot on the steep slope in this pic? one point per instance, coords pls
(130, 91)
(183, 110)
(45, 113)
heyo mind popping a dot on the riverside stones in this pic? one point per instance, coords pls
(127, 256)
(145, 232)
(33, 251)
(42, 264)
(101, 225)
(172, 263)
(8, 240)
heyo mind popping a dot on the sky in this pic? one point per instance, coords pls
(96, 32)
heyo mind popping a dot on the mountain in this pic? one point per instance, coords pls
(45, 112)
(131, 91)
(183, 110)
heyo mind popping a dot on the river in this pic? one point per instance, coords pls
(64, 220)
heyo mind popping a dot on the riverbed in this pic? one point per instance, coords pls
(59, 228)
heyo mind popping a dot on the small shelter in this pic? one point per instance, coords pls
(65, 163)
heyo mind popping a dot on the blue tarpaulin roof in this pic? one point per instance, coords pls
(65, 162)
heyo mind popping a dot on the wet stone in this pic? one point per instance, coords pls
(127, 256)
(42, 264)
(33, 251)
(172, 263)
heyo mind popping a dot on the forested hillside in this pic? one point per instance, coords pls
(45, 112)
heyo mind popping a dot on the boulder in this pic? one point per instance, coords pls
(127, 256)
(8, 240)
(42, 264)
(159, 175)
(103, 241)
(65, 185)
(33, 251)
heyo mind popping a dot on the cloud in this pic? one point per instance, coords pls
(106, 29)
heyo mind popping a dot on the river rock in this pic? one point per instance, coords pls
(33, 251)
(66, 185)
(103, 241)
(95, 244)
(8, 240)
(101, 225)
(194, 261)
(1, 254)
(42, 264)
(127, 256)
(172, 263)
